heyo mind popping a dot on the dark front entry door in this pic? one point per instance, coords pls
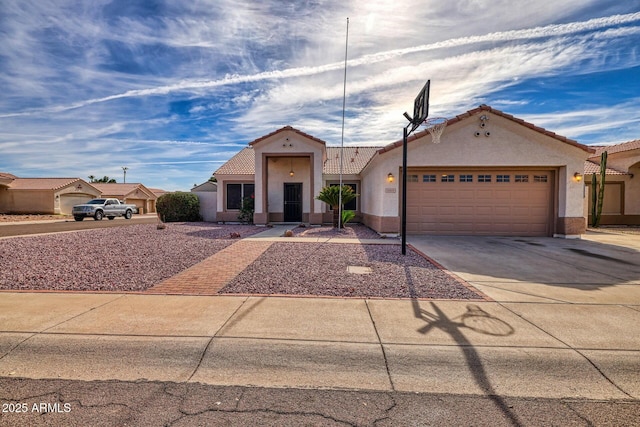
(293, 202)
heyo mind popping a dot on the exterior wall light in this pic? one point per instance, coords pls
(291, 170)
(577, 176)
(390, 177)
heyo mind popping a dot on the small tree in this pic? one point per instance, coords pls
(105, 179)
(331, 196)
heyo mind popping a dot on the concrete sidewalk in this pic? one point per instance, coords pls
(564, 323)
(487, 348)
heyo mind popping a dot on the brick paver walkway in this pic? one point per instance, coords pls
(209, 276)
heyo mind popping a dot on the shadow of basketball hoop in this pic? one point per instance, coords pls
(474, 319)
(482, 322)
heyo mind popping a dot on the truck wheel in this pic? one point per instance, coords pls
(78, 218)
(111, 218)
(127, 214)
(98, 216)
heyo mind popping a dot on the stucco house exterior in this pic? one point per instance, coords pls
(491, 174)
(43, 195)
(134, 193)
(621, 203)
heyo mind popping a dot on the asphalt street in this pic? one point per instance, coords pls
(22, 229)
(142, 403)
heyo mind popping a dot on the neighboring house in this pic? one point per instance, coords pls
(491, 174)
(208, 198)
(43, 195)
(135, 194)
(158, 192)
(621, 203)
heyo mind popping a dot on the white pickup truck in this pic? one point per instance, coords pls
(99, 208)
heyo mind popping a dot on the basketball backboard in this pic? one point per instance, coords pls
(421, 105)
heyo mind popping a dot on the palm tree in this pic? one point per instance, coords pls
(331, 196)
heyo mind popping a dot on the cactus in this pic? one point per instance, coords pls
(598, 200)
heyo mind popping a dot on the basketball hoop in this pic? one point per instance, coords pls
(435, 126)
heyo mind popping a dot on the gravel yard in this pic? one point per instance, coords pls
(321, 269)
(354, 231)
(131, 258)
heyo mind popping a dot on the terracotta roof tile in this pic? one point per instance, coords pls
(120, 190)
(5, 175)
(481, 108)
(42, 183)
(243, 163)
(616, 148)
(354, 160)
(592, 167)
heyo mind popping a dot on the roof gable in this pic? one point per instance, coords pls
(123, 190)
(482, 108)
(355, 160)
(286, 129)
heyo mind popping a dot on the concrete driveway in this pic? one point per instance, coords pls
(600, 268)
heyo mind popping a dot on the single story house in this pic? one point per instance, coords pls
(491, 174)
(134, 193)
(621, 203)
(43, 195)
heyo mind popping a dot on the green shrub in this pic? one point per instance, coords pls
(178, 207)
(246, 212)
(347, 216)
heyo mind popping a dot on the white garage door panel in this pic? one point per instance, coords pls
(485, 208)
(68, 201)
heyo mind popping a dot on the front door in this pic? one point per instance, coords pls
(292, 202)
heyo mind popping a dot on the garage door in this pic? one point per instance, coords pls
(67, 201)
(483, 202)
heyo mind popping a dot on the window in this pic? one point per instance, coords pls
(447, 178)
(484, 178)
(412, 178)
(237, 192)
(428, 178)
(540, 178)
(503, 178)
(466, 178)
(522, 178)
(352, 205)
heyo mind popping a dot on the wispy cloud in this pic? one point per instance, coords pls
(172, 89)
(528, 34)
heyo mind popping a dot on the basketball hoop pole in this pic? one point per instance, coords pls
(420, 113)
(405, 134)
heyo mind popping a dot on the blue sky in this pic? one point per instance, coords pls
(172, 89)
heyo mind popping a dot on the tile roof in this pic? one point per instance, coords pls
(616, 148)
(498, 113)
(5, 175)
(120, 190)
(354, 160)
(592, 167)
(42, 183)
(287, 128)
(243, 163)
